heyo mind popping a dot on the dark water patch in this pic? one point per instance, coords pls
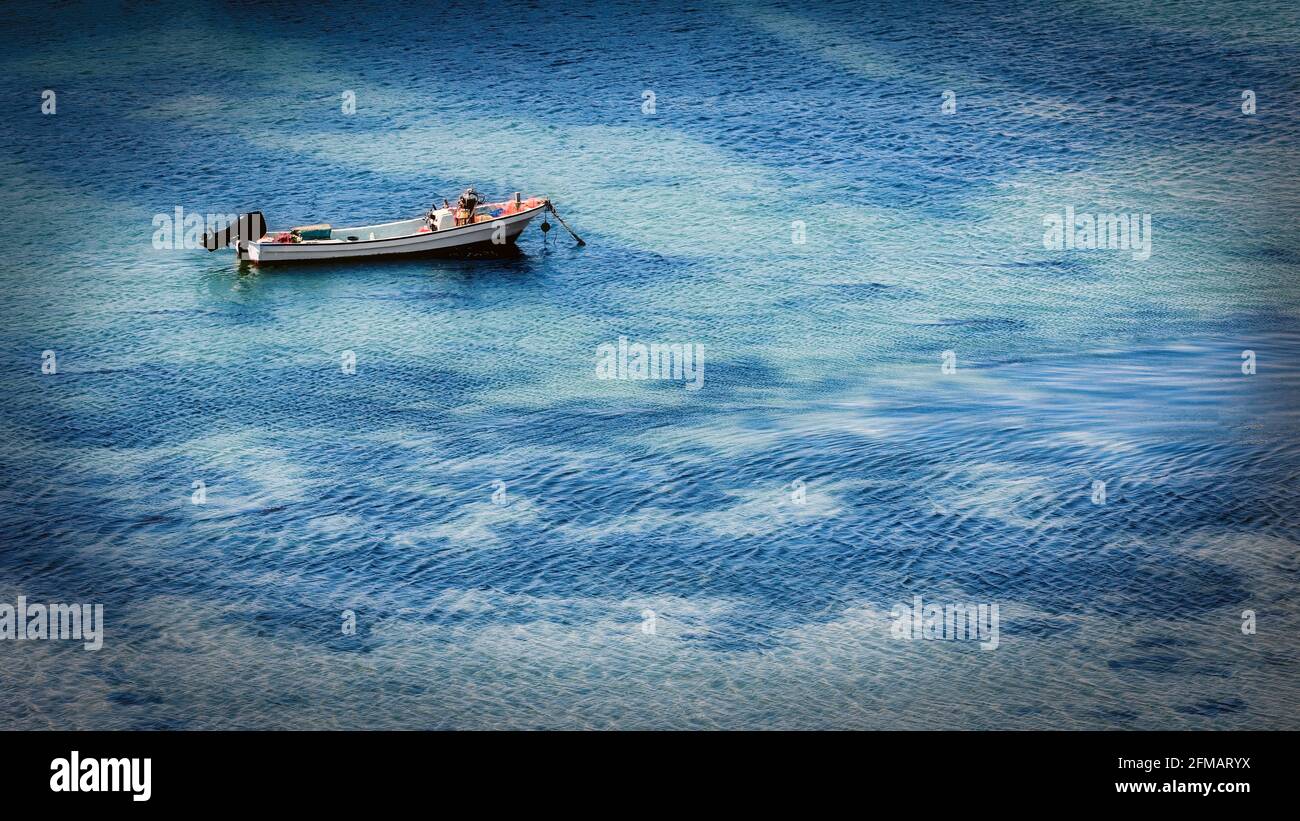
(980, 324)
(867, 291)
(135, 699)
(1037, 627)
(1212, 707)
(1111, 716)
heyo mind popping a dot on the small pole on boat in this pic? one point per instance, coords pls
(550, 207)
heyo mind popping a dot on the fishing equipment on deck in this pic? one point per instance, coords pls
(321, 231)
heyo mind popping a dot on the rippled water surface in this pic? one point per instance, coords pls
(373, 492)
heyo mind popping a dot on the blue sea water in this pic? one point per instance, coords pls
(646, 561)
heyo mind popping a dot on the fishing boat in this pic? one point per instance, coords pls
(471, 225)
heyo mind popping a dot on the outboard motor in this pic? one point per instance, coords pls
(469, 200)
(247, 228)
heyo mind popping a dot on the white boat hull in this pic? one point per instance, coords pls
(496, 232)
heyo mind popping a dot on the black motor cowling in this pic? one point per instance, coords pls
(469, 200)
(247, 228)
